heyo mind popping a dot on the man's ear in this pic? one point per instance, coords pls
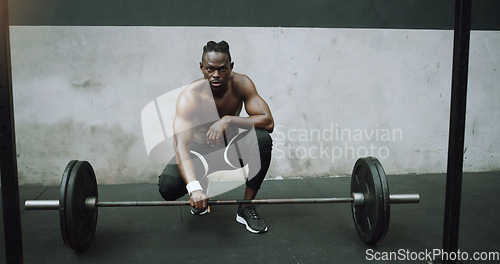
(201, 65)
(232, 65)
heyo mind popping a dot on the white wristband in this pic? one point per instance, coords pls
(193, 186)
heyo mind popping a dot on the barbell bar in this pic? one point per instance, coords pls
(78, 202)
(91, 203)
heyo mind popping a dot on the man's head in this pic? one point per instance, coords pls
(216, 64)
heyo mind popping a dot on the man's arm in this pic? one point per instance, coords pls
(259, 114)
(183, 138)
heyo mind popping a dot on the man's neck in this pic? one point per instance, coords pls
(219, 93)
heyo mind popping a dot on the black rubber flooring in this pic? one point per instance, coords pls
(312, 233)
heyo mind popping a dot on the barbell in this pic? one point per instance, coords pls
(78, 202)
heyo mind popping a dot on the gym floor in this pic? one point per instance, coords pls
(299, 233)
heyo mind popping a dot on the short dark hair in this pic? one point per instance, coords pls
(222, 47)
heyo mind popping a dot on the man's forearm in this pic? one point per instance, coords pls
(186, 168)
(184, 162)
(263, 122)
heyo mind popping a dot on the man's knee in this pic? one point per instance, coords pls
(171, 188)
(265, 140)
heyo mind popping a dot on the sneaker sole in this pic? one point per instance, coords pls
(202, 213)
(242, 221)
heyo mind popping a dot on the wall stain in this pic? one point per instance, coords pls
(45, 149)
(87, 84)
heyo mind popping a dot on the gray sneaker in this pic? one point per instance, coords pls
(248, 216)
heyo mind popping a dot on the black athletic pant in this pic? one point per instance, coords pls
(252, 147)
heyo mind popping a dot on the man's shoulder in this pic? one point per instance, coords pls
(189, 96)
(195, 86)
(242, 81)
(243, 84)
(192, 90)
(238, 77)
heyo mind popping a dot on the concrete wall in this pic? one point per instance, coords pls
(336, 94)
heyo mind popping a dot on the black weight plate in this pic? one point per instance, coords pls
(62, 201)
(369, 217)
(387, 203)
(80, 222)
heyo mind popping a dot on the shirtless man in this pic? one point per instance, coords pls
(207, 135)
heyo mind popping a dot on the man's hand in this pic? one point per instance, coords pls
(198, 200)
(215, 133)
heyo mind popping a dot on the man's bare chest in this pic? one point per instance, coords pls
(213, 108)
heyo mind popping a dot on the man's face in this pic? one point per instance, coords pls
(216, 69)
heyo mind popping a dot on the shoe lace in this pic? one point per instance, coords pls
(251, 211)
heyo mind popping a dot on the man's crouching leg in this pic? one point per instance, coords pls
(170, 183)
(172, 186)
(247, 214)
